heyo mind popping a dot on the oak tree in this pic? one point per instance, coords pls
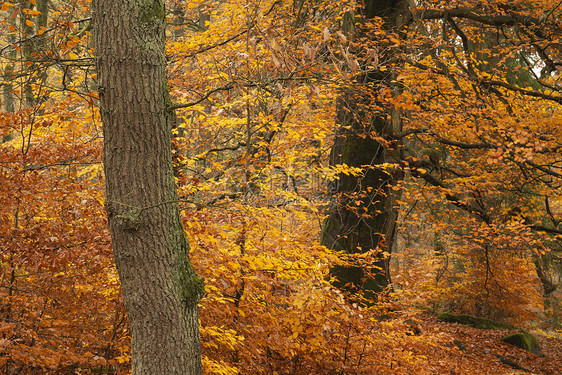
(160, 287)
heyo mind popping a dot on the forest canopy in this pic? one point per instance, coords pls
(345, 170)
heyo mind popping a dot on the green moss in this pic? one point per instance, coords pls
(473, 321)
(524, 340)
(156, 12)
(131, 220)
(358, 151)
(192, 286)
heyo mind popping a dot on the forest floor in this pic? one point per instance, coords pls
(481, 351)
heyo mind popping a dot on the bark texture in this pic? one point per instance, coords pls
(362, 215)
(160, 287)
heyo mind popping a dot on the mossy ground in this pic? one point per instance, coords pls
(473, 321)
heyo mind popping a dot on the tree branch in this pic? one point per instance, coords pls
(543, 169)
(477, 15)
(230, 86)
(541, 228)
(453, 198)
(535, 94)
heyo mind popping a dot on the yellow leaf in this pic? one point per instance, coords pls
(232, 266)
(191, 5)
(29, 23)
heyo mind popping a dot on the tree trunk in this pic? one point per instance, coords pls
(362, 215)
(160, 287)
(9, 75)
(27, 51)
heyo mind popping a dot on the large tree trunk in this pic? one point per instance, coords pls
(160, 287)
(362, 215)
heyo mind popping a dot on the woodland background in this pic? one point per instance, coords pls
(255, 84)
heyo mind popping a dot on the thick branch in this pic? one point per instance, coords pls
(466, 146)
(540, 228)
(535, 94)
(543, 169)
(488, 83)
(477, 15)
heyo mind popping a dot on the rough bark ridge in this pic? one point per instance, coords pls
(160, 287)
(362, 216)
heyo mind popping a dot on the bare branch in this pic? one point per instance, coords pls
(230, 86)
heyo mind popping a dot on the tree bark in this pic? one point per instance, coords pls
(362, 215)
(9, 76)
(160, 287)
(27, 51)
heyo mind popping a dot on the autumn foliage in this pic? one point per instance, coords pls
(254, 87)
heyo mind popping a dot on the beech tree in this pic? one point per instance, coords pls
(160, 287)
(362, 216)
(375, 147)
